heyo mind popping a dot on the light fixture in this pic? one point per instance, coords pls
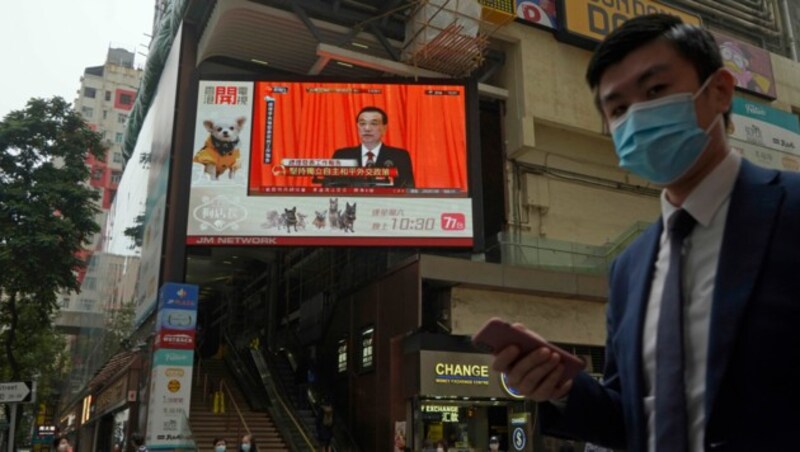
(342, 63)
(261, 62)
(358, 44)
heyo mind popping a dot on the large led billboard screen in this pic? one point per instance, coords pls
(330, 163)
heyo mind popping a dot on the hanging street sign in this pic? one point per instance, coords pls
(16, 391)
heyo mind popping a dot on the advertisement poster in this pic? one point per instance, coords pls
(399, 436)
(170, 399)
(539, 12)
(319, 163)
(173, 361)
(587, 22)
(764, 126)
(751, 65)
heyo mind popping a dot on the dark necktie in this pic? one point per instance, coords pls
(370, 159)
(672, 432)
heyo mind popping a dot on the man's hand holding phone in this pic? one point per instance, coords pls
(535, 368)
(538, 374)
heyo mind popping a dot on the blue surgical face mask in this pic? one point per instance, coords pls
(659, 140)
(219, 449)
(245, 447)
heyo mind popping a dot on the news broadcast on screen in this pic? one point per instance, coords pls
(330, 163)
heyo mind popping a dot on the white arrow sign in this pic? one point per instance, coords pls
(16, 391)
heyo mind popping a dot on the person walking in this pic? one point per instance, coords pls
(703, 307)
(325, 424)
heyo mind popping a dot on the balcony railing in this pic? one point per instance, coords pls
(539, 252)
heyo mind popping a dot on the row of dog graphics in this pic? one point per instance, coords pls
(333, 218)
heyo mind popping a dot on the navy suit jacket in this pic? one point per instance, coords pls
(752, 400)
(387, 157)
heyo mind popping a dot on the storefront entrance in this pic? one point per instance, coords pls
(460, 402)
(464, 425)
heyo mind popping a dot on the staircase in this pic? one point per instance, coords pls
(206, 425)
(296, 394)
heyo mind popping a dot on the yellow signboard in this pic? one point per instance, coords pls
(594, 19)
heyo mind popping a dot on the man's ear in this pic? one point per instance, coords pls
(723, 85)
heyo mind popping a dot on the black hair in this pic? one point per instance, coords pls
(137, 439)
(695, 44)
(216, 440)
(253, 445)
(374, 110)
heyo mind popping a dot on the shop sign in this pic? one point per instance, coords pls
(764, 126)
(175, 339)
(750, 65)
(112, 396)
(170, 401)
(587, 22)
(767, 158)
(173, 358)
(464, 374)
(86, 412)
(539, 12)
(178, 296)
(440, 413)
(458, 374)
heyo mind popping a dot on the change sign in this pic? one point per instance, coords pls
(587, 22)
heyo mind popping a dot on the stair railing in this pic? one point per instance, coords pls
(242, 423)
(270, 384)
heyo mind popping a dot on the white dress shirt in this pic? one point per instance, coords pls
(375, 152)
(708, 204)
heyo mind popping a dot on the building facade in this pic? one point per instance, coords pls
(386, 329)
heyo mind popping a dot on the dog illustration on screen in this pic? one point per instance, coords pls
(274, 220)
(333, 213)
(291, 219)
(220, 152)
(319, 219)
(347, 218)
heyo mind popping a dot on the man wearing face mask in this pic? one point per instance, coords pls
(704, 305)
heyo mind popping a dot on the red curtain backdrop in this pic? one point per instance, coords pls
(429, 121)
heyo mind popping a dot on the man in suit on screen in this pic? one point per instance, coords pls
(371, 123)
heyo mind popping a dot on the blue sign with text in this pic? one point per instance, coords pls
(178, 296)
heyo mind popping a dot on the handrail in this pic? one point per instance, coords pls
(294, 421)
(286, 409)
(224, 386)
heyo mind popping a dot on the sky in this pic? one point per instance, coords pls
(48, 43)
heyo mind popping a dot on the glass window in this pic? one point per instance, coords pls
(105, 114)
(90, 283)
(116, 176)
(125, 99)
(121, 118)
(108, 96)
(118, 137)
(87, 112)
(367, 348)
(87, 303)
(117, 157)
(97, 174)
(89, 92)
(342, 353)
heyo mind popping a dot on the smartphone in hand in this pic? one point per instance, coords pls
(497, 334)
